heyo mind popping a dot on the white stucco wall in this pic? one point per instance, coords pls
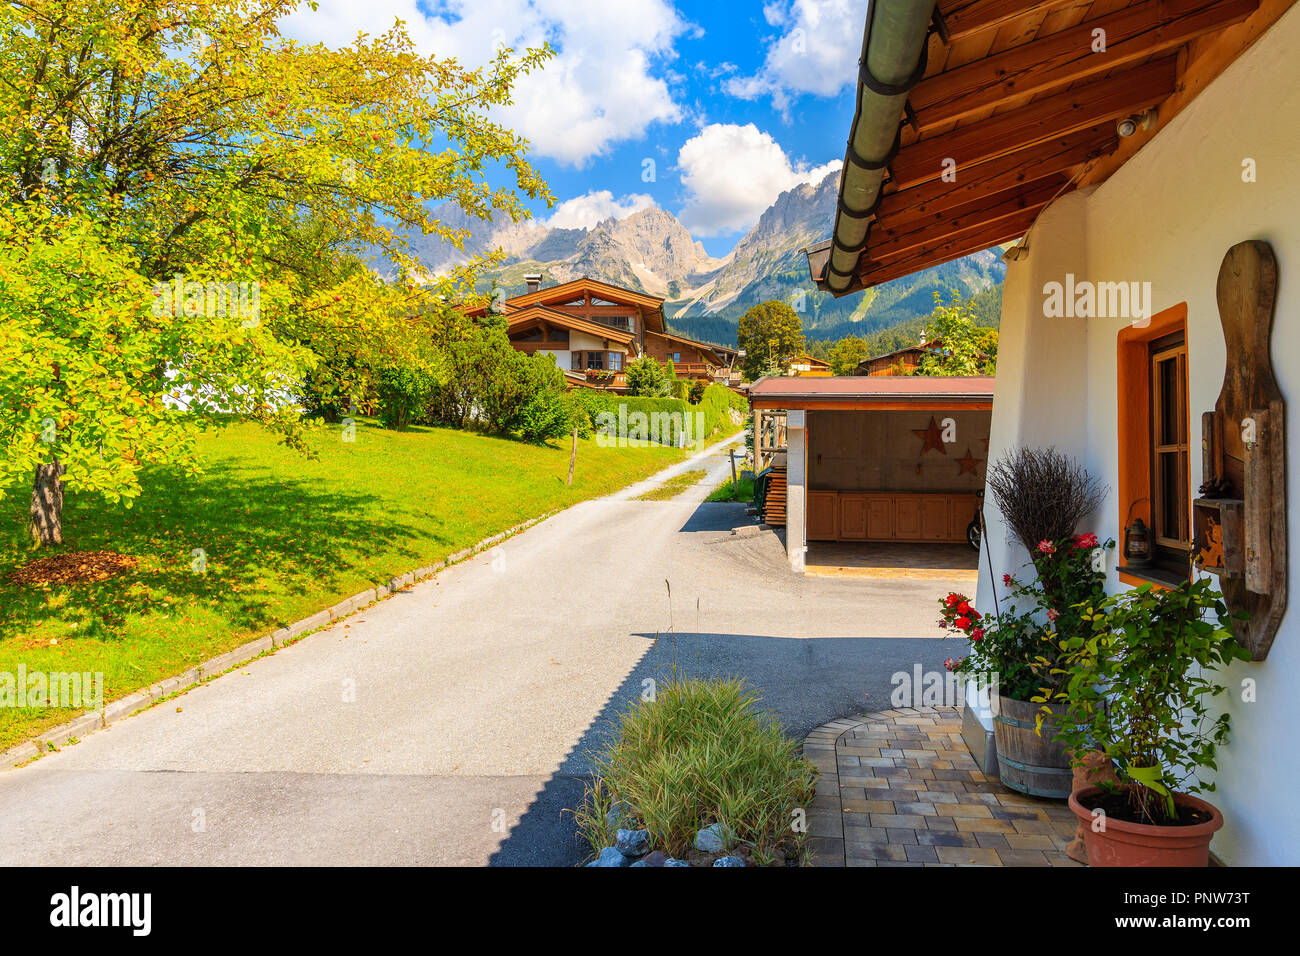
(1167, 217)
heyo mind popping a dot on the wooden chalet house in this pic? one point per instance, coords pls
(593, 329)
(905, 361)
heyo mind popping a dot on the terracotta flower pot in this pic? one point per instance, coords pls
(1141, 844)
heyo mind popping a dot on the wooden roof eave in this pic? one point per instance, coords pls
(1016, 94)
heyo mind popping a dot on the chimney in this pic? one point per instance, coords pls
(533, 281)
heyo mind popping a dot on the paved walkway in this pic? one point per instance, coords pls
(900, 788)
(452, 723)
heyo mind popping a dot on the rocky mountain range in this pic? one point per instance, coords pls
(651, 251)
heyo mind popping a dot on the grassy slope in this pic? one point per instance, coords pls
(284, 537)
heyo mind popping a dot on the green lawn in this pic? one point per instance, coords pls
(743, 490)
(284, 537)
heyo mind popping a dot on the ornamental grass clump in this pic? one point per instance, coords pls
(1138, 685)
(701, 753)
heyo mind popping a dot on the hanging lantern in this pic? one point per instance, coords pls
(1137, 544)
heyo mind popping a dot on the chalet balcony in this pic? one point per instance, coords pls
(695, 370)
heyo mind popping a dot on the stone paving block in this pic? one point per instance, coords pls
(968, 856)
(935, 796)
(1022, 857)
(978, 825)
(937, 838)
(1021, 841)
(922, 854)
(906, 820)
(874, 851)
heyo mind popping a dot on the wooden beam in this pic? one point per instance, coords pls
(948, 248)
(1005, 172)
(976, 224)
(967, 17)
(1086, 106)
(885, 241)
(1131, 34)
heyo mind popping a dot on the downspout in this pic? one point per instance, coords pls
(893, 61)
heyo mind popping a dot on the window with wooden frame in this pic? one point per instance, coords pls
(1153, 431)
(1170, 475)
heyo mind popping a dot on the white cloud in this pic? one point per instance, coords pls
(733, 173)
(817, 51)
(602, 88)
(585, 211)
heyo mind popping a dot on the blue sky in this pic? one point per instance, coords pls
(708, 110)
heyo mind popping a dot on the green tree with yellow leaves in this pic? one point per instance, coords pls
(187, 194)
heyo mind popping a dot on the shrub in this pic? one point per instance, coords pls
(549, 414)
(697, 391)
(404, 391)
(648, 377)
(715, 405)
(701, 753)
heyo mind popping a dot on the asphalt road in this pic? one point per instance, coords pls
(452, 723)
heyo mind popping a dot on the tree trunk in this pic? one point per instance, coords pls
(47, 504)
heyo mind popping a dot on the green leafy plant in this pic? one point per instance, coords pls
(1138, 686)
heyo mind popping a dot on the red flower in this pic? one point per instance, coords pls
(1008, 580)
(953, 598)
(1053, 614)
(951, 664)
(963, 623)
(1085, 541)
(977, 635)
(963, 607)
(1046, 547)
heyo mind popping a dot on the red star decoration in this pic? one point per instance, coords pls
(967, 465)
(932, 437)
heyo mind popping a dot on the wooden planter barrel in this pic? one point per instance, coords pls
(1027, 762)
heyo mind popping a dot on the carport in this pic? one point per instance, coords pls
(882, 472)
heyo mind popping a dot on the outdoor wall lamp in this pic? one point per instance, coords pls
(1131, 124)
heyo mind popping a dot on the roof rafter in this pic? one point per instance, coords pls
(1005, 172)
(963, 19)
(1080, 108)
(1130, 34)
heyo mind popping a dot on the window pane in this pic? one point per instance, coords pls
(1167, 399)
(1169, 482)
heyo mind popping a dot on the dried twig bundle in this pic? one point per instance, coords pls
(1042, 494)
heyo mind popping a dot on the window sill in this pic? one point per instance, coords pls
(1160, 577)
